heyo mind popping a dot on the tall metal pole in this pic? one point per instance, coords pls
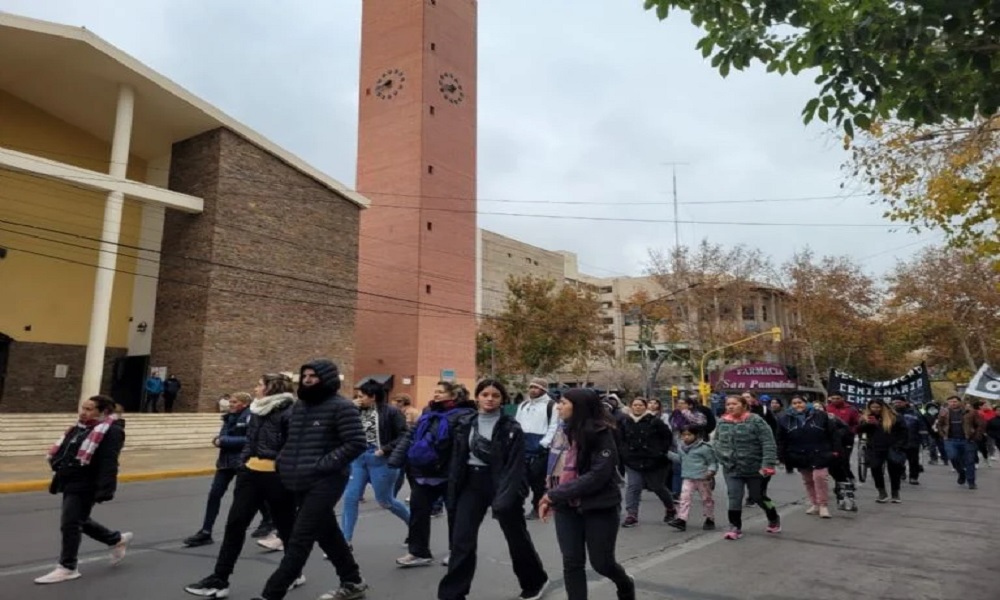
(677, 225)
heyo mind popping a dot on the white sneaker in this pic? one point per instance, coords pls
(59, 575)
(812, 510)
(118, 550)
(271, 543)
(299, 582)
(824, 512)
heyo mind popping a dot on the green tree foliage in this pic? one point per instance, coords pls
(543, 327)
(918, 61)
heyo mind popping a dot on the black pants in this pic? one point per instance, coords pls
(168, 402)
(913, 463)
(535, 475)
(474, 501)
(877, 461)
(594, 533)
(315, 522)
(422, 500)
(253, 490)
(75, 523)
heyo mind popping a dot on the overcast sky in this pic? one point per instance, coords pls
(580, 101)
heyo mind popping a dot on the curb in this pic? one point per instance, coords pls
(41, 485)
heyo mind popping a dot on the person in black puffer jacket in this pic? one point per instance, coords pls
(429, 477)
(487, 471)
(257, 482)
(584, 493)
(324, 436)
(808, 441)
(646, 440)
(887, 439)
(85, 470)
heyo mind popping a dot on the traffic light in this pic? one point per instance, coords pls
(704, 389)
(776, 334)
(674, 392)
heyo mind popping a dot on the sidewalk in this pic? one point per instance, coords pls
(32, 474)
(940, 544)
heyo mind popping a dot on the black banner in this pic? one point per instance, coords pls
(915, 386)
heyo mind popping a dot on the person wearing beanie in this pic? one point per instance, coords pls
(324, 436)
(538, 420)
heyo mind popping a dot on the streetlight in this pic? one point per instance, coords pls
(703, 387)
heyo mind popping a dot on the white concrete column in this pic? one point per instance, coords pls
(107, 258)
(148, 266)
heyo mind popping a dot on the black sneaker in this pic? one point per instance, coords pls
(347, 591)
(670, 515)
(961, 479)
(882, 497)
(263, 530)
(212, 586)
(202, 538)
(678, 524)
(709, 525)
(913, 481)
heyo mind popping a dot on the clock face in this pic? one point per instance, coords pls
(451, 88)
(390, 84)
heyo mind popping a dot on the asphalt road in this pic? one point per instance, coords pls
(940, 544)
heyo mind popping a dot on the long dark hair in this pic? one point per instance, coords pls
(589, 416)
(373, 389)
(493, 383)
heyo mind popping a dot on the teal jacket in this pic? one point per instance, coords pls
(745, 447)
(696, 460)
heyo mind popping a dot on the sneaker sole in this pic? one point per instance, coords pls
(207, 593)
(69, 578)
(538, 594)
(411, 565)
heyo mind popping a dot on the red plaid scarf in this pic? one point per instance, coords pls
(89, 445)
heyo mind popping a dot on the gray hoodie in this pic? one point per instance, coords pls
(696, 460)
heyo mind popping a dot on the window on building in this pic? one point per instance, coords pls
(509, 255)
(433, 46)
(608, 320)
(432, 110)
(605, 289)
(430, 226)
(749, 314)
(428, 288)
(534, 262)
(606, 304)
(430, 169)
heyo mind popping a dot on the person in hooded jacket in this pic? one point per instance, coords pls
(646, 440)
(916, 429)
(584, 494)
(487, 472)
(85, 471)
(324, 436)
(430, 480)
(384, 426)
(807, 441)
(257, 483)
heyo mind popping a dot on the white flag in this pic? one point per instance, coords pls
(986, 384)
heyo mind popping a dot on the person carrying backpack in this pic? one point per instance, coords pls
(539, 422)
(426, 454)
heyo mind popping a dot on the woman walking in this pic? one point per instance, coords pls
(257, 483)
(807, 441)
(384, 427)
(85, 466)
(426, 453)
(584, 494)
(746, 450)
(887, 437)
(487, 471)
(646, 442)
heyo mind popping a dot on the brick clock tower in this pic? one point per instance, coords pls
(417, 165)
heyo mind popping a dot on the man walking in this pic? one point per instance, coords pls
(916, 429)
(961, 427)
(324, 436)
(539, 421)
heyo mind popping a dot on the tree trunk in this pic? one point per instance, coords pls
(982, 348)
(964, 344)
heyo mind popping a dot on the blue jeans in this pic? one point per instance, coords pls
(962, 454)
(366, 469)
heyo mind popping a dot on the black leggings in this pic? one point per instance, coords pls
(594, 533)
(876, 460)
(754, 485)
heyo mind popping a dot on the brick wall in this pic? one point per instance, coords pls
(31, 384)
(263, 280)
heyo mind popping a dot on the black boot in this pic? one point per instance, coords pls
(202, 538)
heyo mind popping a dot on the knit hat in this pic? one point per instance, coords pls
(540, 383)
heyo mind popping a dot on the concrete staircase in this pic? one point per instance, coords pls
(33, 434)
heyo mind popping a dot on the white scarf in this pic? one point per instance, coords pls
(263, 406)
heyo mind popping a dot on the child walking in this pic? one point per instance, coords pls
(698, 467)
